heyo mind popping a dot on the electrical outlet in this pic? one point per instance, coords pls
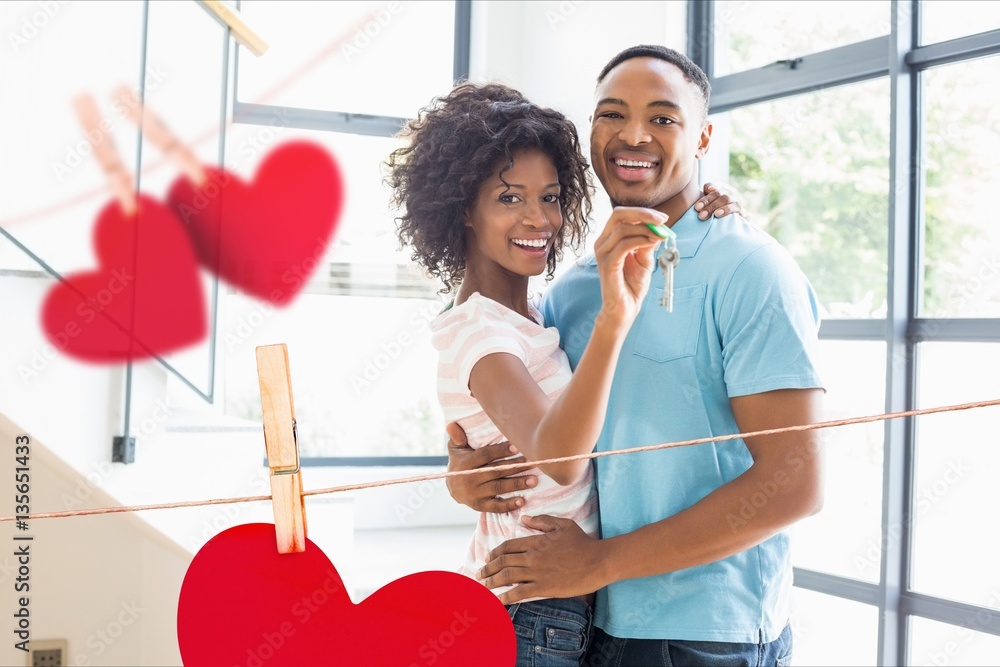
(47, 653)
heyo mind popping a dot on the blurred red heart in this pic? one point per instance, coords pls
(144, 300)
(243, 603)
(265, 238)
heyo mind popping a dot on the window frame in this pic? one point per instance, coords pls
(898, 56)
(367, 125)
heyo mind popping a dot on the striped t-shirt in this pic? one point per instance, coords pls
(465, 334)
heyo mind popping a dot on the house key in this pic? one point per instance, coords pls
(669, 259)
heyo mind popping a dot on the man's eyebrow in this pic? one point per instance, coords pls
(658, 103)
(665, 103)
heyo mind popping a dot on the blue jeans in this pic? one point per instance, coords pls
(608, 651)
(551, 633)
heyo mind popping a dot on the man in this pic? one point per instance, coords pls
(693, 566)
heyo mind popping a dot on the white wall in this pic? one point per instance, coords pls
(106, 584)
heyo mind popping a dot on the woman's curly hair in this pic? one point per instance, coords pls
(455, 144)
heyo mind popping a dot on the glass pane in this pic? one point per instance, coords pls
(814, 173)
(961, 151)
(364, 371)
(363, 365)
(51, 185)
(948, 19)
(844, 538)
(366, 230)
(199, 66)
(821, 623)
(957, 465)
(938, 644)
(754, 34)
(380, 58)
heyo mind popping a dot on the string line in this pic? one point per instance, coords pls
(520, 466)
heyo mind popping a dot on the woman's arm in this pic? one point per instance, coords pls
(542, 428)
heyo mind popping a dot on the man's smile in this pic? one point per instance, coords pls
(632, 167)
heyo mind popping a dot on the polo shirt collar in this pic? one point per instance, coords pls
(691, 232)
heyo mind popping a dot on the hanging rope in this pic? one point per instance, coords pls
(520, 466)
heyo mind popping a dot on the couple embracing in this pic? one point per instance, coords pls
(637, 559)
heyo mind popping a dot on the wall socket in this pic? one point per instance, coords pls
(47, 653)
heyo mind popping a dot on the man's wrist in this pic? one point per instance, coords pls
(604, 555)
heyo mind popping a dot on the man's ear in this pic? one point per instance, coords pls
(704, 141)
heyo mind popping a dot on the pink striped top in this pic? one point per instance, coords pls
(465, 334)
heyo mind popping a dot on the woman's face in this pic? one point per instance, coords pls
(513, 225)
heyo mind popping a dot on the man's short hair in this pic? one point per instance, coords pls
(691, 72)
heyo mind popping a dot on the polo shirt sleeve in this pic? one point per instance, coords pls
(769, 325)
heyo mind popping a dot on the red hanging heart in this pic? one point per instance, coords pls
(145, 299)
(243, 603)
(268, 237)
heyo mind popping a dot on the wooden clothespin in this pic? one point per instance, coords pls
(231, 18)
(98, 132)
(160, 135)
(282, 448)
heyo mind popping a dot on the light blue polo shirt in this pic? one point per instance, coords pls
(745, 321)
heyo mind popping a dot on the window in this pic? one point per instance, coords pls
(369, 398)
(845, 538)
(948, 19)
(934, 643)
(378, 58)
(961, 153)
(955, 472)
(755, 34)
(867, 158)
(814, 169)
(852, 640)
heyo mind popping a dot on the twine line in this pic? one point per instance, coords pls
(516, 466)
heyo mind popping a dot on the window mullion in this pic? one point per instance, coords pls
(900, 358)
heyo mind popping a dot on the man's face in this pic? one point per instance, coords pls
(648, 130)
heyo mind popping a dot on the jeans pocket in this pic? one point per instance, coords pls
(559, 639)
(564, 643)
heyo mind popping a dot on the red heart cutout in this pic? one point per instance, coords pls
(266, 238)
(243, 603)
(145, 299)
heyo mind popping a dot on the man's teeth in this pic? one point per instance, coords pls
(537, 243)
(633, 163)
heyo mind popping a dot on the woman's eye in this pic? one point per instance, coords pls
(508, 199)
(551, 199)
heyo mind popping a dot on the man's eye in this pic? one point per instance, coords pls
(610, 114)
(663, 121)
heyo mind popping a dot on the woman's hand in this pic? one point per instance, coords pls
(624, 253)
(719, 202)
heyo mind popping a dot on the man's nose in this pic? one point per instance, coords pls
(634, 133)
